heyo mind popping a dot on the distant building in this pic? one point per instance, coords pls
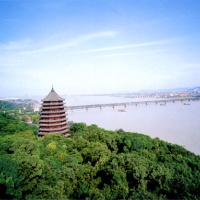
(36, 108)
(53, 115)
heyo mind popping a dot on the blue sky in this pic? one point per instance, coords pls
(98, 46)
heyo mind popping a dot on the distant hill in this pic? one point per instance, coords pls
(183, 89)
(195, 91)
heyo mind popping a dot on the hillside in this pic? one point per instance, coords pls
(93, 164)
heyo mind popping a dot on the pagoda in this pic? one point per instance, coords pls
(53, 115)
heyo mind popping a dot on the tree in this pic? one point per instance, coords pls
(77, 127)
(24, 118)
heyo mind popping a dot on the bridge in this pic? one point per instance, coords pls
(161, 102)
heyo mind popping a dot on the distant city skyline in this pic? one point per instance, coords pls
(101, 46)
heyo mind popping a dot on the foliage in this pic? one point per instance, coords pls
(11, 124)
(77, 127)
(93, 164)
(35, 118)
(5, 105)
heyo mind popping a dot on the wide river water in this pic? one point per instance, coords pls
(176, 123)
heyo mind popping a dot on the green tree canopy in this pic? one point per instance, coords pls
(93, 164)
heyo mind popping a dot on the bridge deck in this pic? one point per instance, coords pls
(131, 103)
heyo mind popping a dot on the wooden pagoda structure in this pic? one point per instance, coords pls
(53, 117)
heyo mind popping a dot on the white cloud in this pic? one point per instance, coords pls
(105, 34)
(135, 53)
(16, 45)
(75, 42)
(153, 43)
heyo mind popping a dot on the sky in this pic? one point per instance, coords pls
(98, 46)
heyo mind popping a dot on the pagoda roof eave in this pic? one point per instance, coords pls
(53, 96)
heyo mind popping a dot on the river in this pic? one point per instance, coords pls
(176, 123)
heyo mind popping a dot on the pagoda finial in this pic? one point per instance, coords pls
(52, 88)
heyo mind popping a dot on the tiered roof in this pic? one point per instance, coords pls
(53, 96)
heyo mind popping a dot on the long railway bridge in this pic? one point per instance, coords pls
(161, 102)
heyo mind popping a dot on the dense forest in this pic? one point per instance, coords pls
(92, 164)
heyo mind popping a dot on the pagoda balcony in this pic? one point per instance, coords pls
(55, 103)
(53, 107)
(53, 111)
(55, 124)
(46, 133)
(52, 116)
(55, 120)
(53, 129)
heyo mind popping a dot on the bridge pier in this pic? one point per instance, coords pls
(113, 107)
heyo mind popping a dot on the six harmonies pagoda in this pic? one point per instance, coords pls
(53, 117)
